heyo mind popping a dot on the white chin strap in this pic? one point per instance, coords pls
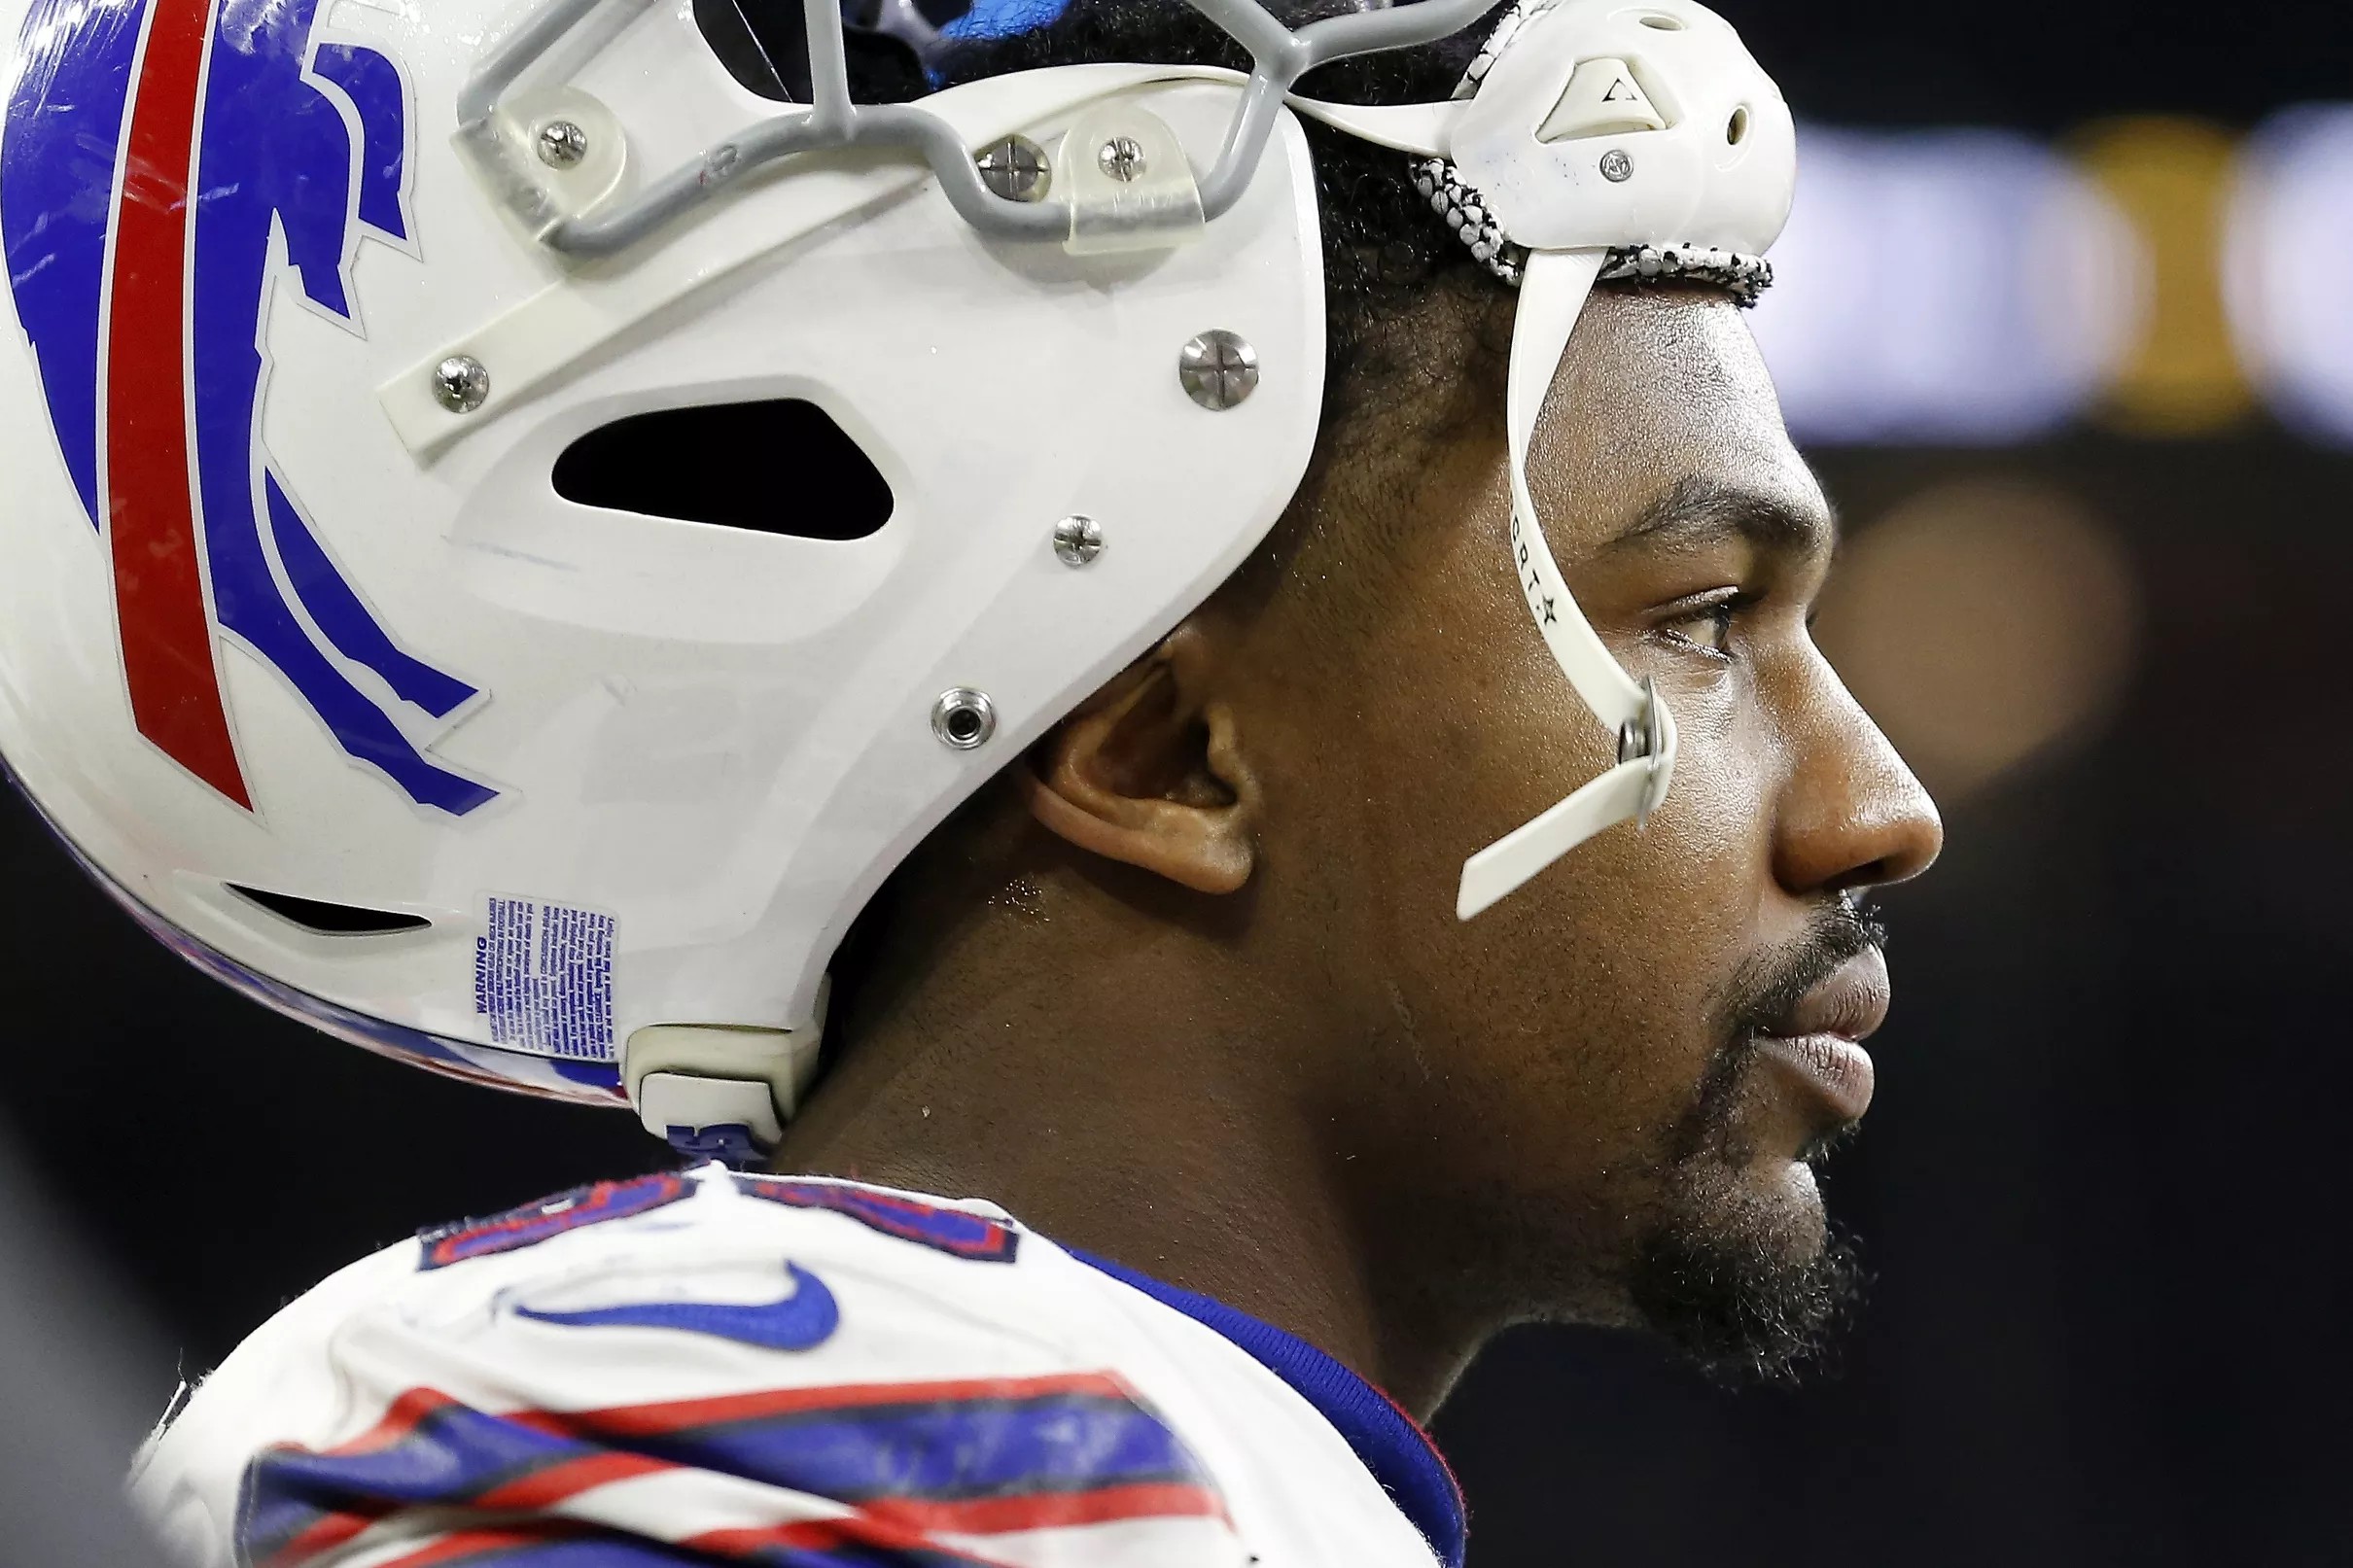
(1553, 289)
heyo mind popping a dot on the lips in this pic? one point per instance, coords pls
(1818, 1040)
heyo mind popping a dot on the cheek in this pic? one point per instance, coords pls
(1699, 873)
(1554, 1041)
(1560, 1036)
(1713, 837)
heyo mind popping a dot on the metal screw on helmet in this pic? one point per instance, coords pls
(1121, 157)
(1218, 368)
(1016, 168)
(1616, 166)
(1645, 734)
(562, 144)
(460, 383)
(964, 719)
(1077, 540)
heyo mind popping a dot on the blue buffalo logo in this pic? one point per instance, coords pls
(166, 165)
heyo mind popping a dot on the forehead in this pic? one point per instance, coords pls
(1657, 390)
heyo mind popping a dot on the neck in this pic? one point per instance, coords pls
(1116, 1080)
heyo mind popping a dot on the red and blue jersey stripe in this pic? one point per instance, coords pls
(535, 1222)
(911, 1461)
(975, 1238)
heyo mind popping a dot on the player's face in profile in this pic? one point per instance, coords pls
(1615, 1083)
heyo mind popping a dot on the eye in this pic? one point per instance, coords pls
(1705, 623)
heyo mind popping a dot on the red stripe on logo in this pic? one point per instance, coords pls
(166, 632)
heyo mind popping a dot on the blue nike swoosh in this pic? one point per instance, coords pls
(800, 1321)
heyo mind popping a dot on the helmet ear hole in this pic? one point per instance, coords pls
(778, 466)
(1663, 22)
(1737, 127)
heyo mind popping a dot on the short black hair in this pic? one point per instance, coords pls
(1385, 252)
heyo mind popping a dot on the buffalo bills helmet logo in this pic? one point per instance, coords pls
(167, 166)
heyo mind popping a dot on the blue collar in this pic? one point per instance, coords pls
(1399, 1454)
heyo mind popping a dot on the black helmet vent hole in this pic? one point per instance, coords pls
(764, 44)
(780, 466)
(330, 920)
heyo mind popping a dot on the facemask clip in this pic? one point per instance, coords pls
(1130, 186)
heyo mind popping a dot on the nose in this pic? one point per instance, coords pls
(1852, 815)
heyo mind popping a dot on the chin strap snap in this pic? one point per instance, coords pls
(718, 1091)
(1553, 286)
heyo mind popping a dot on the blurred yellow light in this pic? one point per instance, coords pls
(1983, 622)
(2171, 180)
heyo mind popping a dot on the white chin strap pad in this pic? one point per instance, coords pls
(1553, 289)
(1581, 79)
(1584, 127)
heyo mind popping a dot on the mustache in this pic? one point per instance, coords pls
(1766, 989)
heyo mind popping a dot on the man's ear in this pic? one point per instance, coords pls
(1149, 771)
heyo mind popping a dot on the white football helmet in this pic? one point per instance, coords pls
(368, 627)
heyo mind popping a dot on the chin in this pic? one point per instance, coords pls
(1790, 1213)
(1742, 1273)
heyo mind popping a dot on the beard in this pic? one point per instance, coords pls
(1750, 1287)
(1742, 1288)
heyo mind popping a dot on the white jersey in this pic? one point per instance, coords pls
(706, 1368)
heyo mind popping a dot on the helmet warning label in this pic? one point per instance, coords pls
(542, 976)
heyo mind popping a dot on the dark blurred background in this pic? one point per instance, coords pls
(2067, 323)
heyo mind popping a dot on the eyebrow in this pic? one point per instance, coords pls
(1698, 511)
